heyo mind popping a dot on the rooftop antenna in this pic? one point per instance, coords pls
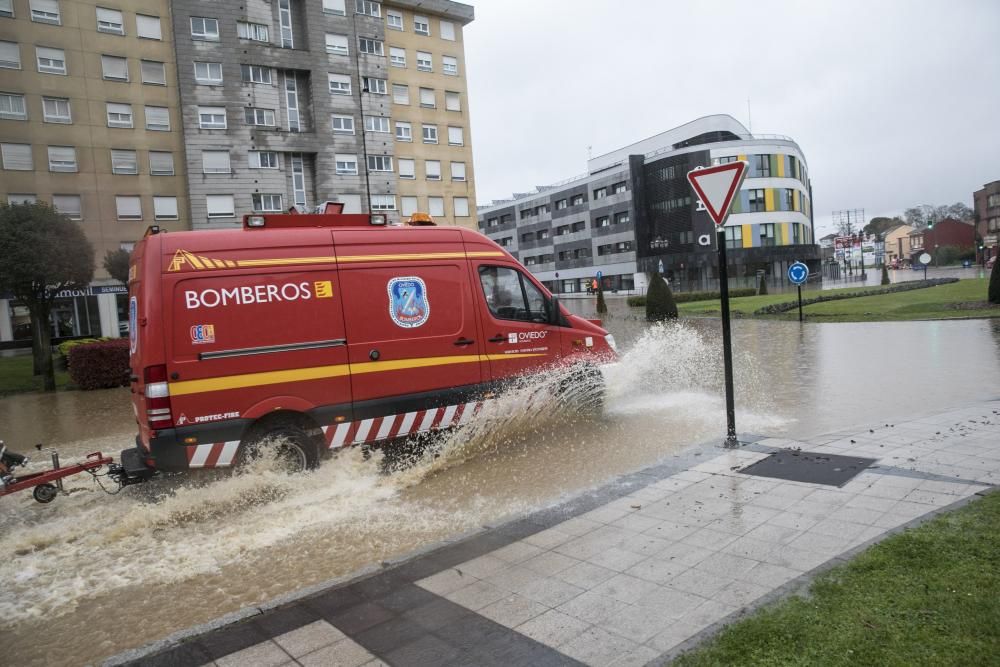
(589, 152)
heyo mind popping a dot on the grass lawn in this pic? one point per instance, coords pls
(15, 375)
(966, 298)
(929, 596)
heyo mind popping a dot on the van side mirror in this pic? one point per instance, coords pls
(555, 317)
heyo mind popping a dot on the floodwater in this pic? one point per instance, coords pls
(90, 575)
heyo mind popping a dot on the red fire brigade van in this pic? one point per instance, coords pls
(326, 331)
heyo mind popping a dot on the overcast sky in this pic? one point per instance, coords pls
(895, 103)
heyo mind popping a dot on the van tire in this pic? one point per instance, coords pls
(583, 389)
(299, 449)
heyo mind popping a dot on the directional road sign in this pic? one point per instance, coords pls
(600, 274)
(717, 187)
(798, 273)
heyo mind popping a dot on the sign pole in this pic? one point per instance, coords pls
(800, 302)
(727, 342)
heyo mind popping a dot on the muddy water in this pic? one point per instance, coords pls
(102, 573)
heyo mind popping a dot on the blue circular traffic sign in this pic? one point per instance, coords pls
(798, 273)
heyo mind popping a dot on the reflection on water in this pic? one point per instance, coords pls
(193, 547)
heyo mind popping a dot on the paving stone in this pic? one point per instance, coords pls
(585, 575)
(436, 614)
(822, 544)
(549, 538)
(684, 553)
(477, 595)
(792, 520)
(636, 523)
(344, 653)
(308, 638)
(669, 530)
(670, 602)
(446, 581)
(549, 563)
(596, 646)
(405, 598)
(265, 654)
(656, 570)
(513, 610)
(616, 559)
(577, 526)
(770, 575)
(386, 637)
(553, 628)
(677, 633)
(592, 607)
(710, 539)
(639, 624)
(517, 552)
(699, 582)
(550, 592)
(740, 593)
(727, 565)
(624, 588)
(361, 617)
(514, 578)
(483, 566)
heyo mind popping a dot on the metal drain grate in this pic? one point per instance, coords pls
(812, 467)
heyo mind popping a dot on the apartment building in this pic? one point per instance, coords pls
(987, 212)
(90, 123)
(294, 103)
(634, 213)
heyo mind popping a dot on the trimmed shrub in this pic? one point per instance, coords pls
(602, 307)
(686, 297)
(660, 304)
(67, 345)
(100, 365)
(776, 308)
(885, 274)
(762, 291)
(994, 290)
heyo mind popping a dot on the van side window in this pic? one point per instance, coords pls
(512, 297)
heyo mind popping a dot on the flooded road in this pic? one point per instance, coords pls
(90, 575)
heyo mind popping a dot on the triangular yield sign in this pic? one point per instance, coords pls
(717, 187)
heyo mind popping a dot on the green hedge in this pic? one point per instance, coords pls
(776, 308)
(685, 297)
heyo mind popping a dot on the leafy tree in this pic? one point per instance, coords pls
(116, 264)
(660, 304)
(601, 306)
(43, 253)
(762, 288)
(919, 216)
(885, 274)
(878, 226)
(994, 291)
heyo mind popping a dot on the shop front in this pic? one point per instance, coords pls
(94, 311)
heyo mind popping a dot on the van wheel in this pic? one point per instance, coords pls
(289, 444)
(583, 389)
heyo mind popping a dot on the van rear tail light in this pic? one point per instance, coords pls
(378, 219)
(157, 397)
(256, 221)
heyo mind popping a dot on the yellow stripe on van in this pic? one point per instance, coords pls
(186, 387)
(198, 263)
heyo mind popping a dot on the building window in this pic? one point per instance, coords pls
(372, 47)
(796, 233)
(368, 8)
(252, 31)
(20, 198)
(7, 8)
(114, 68)
(421, 25)
(561, 204)
(119, 115)
(255, 74)
(340, 84)
(208, 73)
(393, 19)
(577, 200)
(430, 134)
(62, 159)
(148, 27)
(425, 62)
(124, 162)
(527, 237)
(787, 199)
(337, 44)
(129, 207)
(212, 118)
(69, 205)
(603, 221)
(157, 119)
(400, 93)
(110, 21)
(153, 73)
(734, 237)
(383, 202)
(164, 208)
(993, 200)
(562, 230)
(204, 29)
(161, 163)
(220, 206)
(334, 7)
(404, 131)
(435, 206)
(767, 237)
(375, 86)
(215, 162)
(458, 171)
(376, 124)
(397, 57)
(449, 65)
(619, 188)
(408, 205)
(756, 200)
(448, 30)
(12, 107)
(45, 11)
(346, 164)
(427, 98)
(379, 163)
(762, 164)
(542, 234)
(432, 170)
(622, 218)
(455, 136)
(452, 101)
(505, 242)
(259, 117)
(267, 203)
(725, 159)
(342, 124)
(600, 193)
(10, 55)
(461, 207)
(493, 222)
(50, 61)
(263, 159)
(407, 168)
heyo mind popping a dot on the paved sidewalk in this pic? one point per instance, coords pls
(632, 573)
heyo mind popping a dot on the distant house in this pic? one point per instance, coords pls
(897, 243)
(987, 203)
(947, 232)
(827, 241)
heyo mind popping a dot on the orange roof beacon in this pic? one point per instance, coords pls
(328, 330)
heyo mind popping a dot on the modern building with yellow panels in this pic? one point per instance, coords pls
(430, 109)
(634, 213)
(90, 124)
